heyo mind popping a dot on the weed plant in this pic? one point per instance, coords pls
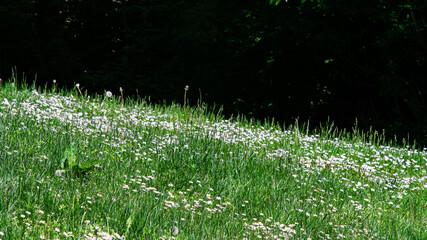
(74, 166)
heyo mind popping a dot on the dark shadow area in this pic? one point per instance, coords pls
(310, 60)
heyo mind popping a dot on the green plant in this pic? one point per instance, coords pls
(71, 163)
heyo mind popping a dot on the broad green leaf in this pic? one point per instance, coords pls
(129, 223)
(90, 164)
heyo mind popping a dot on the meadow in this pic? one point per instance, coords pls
(74, 166)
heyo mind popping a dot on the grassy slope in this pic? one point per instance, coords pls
(169, 172)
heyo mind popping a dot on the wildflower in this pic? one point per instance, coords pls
(78, 85)
(175, 230)
(59, 172)
(54, 81)
(109, 94)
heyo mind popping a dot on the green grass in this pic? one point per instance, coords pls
(79, 167)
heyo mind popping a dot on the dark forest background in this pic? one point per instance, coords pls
(311, 60)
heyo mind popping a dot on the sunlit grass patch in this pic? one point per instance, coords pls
(79, 167)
